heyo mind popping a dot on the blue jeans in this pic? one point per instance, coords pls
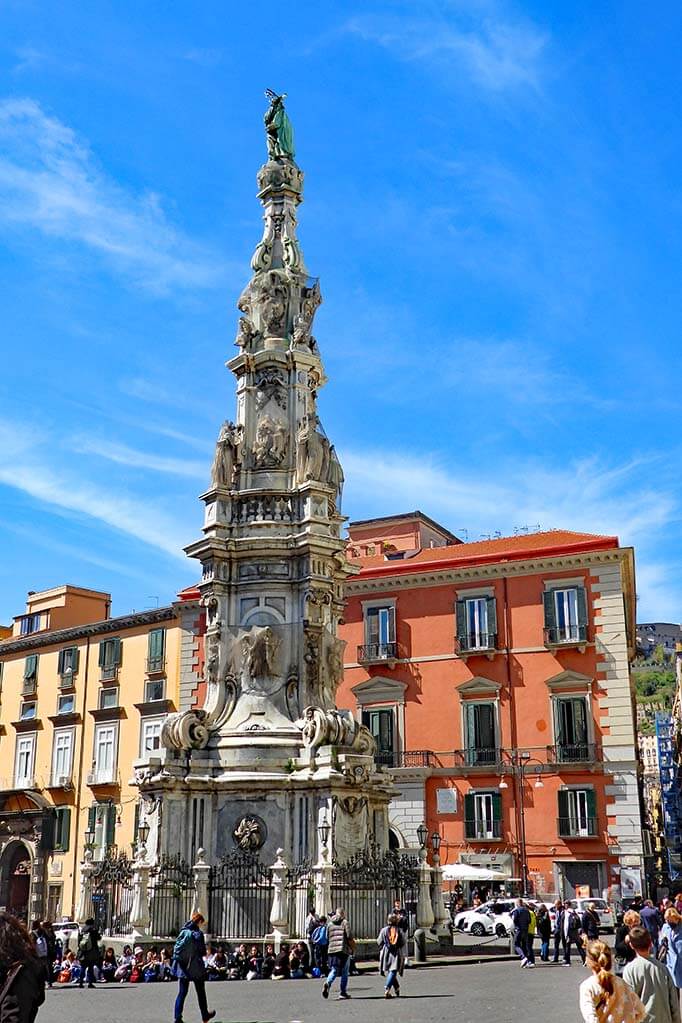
(392, 980)
(183, 988)
(529, 945)
(340, 964)
(544, 951)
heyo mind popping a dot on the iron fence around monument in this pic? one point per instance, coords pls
(171, 895)
(112, 894)
(368, 885)
(240, 893)
(300, 884)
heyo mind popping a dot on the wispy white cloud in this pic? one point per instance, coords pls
(121, 454)
(587, 496)
(496, 53)
(51, 181)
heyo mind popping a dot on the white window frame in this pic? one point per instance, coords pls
(24, 707)
(578, 811)
(569, 633)
(156, 681)
(480, 623)
(108, 689)
(25, 749)
(59, 737)
(66, 697)
(148, 725)
(483, 800)
(105, 776)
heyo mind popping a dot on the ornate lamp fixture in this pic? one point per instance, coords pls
(422, 835)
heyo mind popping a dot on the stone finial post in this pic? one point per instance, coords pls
(201, 871)
(86, 909)
(440, 915)
(322, 872)
(140, 918)
(279, 913)
(424, 907)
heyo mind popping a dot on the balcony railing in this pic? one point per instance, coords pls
(155, 665)
(565, 635)
(29, 685)
(476, 642)
(572, 753)
(483, 831)
(109, 672)
(571, 827)
(482, 757)
(371, 653)
(405, 758)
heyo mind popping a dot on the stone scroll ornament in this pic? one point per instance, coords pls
(185, 730)
(335, 728)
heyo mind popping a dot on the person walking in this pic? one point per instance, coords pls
(589, 922)
(605, 998)
(340, 948)
(558, 928)
(671, 942)
(404, 925)
(189, 967)
(52, 949)
(544, 928)
(652, 919)
(89, 952)
(571, 934)
(22, 977)
(521, 920)
(40, 944)
(320, 943)
(392, 943)
(650, 979)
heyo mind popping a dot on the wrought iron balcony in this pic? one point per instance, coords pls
(482, 756)
(405, 758)
(156, 665)
(571, 827)
(373, 653)
(482, 831)
(566, 635)
(109, 672)
(476, 642)
(572, 753)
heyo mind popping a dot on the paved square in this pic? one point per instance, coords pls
(489, 993)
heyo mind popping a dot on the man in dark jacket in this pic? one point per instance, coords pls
(189, 967)
(590, 922)
(570, 931)
(653, 921)
(558, 928)
(89, 952)
(521, 920)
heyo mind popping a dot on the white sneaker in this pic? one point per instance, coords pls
(524, 964)
(530, 966)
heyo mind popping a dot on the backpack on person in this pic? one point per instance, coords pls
(320, 935)
(183, 946)
(85, 945)
(41, 946)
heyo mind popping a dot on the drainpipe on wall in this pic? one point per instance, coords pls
(79, 781)
(512, 723)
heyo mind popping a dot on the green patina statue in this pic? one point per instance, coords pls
(278, 129)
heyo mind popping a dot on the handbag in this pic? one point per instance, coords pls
(663, 951)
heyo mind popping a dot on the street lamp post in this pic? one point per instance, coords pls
(518, 764)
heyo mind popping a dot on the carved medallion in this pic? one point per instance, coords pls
(250, 833)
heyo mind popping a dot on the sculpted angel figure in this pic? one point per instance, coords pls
(226, 455)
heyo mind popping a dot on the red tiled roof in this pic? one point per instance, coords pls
(504, 548)
(189, 593)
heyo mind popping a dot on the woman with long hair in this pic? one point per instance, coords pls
(22, 978)
(670, 940)
(605, 998)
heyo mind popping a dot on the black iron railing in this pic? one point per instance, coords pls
(470, 642)
(405, 758)
(481, 830)
(559, 635)
(572, 827)
(572, 753)
(371, 652)
(482, 756)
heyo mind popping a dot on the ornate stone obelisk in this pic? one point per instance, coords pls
(267, 757)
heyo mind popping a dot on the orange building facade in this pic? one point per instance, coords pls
(495, 678)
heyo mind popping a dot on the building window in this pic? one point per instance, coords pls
(381, 724)
(68, 664)
(565, 615)
(150, 735)
(110, 657)
(480, 733)
(571, 729)
(483, 815)
(102, 823)
(108, 698)
(154, 689)
(62, 756)
(379, 634)
(476, 623)
(30, 623)
(30, 674)
(25, 761)
(28, 711)
(66, 704)
(54, 902)
(156, 650)
(577, 813)
(62, 829)
(105, 751)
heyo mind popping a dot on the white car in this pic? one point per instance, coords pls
(490, 918)
(67, 932)
(606, 919)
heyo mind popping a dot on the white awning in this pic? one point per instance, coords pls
(465, 872)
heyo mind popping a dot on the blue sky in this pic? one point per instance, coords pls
(493, 205)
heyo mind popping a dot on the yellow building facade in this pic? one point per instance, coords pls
(83, 696)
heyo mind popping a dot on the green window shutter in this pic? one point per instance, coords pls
(31, 666)
(110, 826)
(92, 817)
(136, 823)
(497, 806)
(591, 797)
(47, 831)
(391, 624)
(63, 829)
(102, 653)
(581, 598)
(372, 626)
(461, 612)
(117, 650)
(156, 644)
(61, 662)
(550, 610)
(492, 616)
(469, 812)
(564, 826)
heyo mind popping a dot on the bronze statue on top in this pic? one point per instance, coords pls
(278, 129)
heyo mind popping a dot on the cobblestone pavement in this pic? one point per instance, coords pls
(489, 993)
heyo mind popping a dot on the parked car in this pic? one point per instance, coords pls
(490, 918)
(67, 932)
(606, 918)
